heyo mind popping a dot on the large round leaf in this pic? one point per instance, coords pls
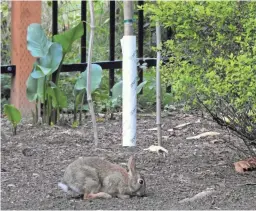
(67, 38)
(140, 86)
(36, 72)
(49, 63)
(35, 88)
(37, 42)
(117, 90)
(96, 75)
(40, 71)
(12, 113)
(53, 58)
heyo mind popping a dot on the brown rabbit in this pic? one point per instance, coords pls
(98, 178)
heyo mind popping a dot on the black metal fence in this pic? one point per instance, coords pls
(110, 65)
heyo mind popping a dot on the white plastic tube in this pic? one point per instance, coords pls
(129, 114)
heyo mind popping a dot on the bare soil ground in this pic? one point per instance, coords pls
(33, 162)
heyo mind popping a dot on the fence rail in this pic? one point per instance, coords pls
(8, 69)
(117, 64)
(80, 67)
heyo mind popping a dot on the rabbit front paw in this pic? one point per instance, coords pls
(97, 195)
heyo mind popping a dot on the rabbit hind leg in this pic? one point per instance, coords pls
(91, 188)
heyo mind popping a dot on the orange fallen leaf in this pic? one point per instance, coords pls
(245, 165)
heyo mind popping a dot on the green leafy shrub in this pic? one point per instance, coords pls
(212, 59)
(5, 89)
(5, 10)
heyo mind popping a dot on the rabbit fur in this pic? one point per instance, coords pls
(98, 178)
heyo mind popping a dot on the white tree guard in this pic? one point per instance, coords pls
(129, 114)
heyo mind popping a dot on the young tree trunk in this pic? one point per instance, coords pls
(158, 85)
(89, 96)
(128, 18)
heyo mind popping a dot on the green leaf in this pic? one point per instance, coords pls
(59, 100)
(79, 96)
(49, 63)
(117, 90)
(85, 107)
(44, 70)
(13, 114)
(37, 72)
(67, 38)
(140, 86)
(52, 84)
(37, 42)
(62, 101)
(53, 59)
(96, 76)
(35, 88)
(116, 102)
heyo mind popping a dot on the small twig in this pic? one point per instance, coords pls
(158, 85)
(246, 184)
(89, 96)
(237, 128)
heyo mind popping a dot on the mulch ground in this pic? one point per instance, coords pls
(196, 174)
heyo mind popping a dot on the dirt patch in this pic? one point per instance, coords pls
(34, 160)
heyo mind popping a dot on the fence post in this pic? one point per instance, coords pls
(112, 29)
(23, 13)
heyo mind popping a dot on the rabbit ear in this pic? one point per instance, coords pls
(131, 165)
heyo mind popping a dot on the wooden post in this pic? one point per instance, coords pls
(23, 14)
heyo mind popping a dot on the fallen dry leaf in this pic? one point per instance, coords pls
(182, 125)
(179, 127)
(157, 149)
(155, 128)
(211, 133)
(245, 165)
(200, 195)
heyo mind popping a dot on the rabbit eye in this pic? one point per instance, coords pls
(141, 181)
